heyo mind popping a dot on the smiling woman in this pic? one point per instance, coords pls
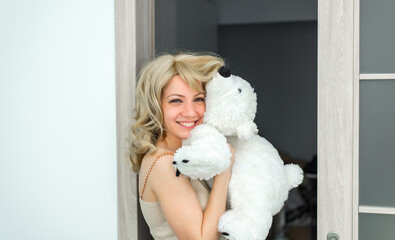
(183, 108)
(164, 75)
(169, 104)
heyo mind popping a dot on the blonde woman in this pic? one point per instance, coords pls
(169, 104)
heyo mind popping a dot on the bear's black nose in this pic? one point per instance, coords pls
(224, 71)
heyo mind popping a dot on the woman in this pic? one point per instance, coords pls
(169, 104)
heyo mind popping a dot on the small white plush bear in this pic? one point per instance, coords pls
(260, 181)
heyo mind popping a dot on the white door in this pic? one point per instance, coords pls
(356, 116)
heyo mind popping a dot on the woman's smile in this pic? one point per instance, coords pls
(188, 124)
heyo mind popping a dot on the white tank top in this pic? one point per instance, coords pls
(153, 214)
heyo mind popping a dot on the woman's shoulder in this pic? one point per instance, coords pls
(163, 174)
(156, 168)
(159, 159)
(159, 153)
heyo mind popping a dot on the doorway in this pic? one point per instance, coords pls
(343, 43)
(277, 53)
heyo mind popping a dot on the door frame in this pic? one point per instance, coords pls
(134, 46)
(338, 118)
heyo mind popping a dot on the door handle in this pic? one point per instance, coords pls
(332, 236)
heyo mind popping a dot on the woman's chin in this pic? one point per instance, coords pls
(185, 135)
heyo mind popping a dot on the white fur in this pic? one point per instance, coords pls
(260, 181)
(207, 152)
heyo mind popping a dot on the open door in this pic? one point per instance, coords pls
(356, 85)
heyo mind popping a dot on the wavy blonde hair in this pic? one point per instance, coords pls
(148, 126)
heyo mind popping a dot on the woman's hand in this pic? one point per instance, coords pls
(227, 173)
(232, 150)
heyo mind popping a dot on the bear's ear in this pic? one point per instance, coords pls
(246, 130)
(224, 71)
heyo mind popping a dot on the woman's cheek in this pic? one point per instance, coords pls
(204, 107)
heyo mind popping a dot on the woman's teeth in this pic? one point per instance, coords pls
(187, 124)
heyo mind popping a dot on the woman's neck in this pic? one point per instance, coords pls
(170, 144)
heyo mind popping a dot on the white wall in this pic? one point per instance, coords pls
(57, 120)
(263, 11)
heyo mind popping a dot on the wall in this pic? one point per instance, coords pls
(57, 120)
(186, 25)
(165, 25)
(264, 11)
(280, 62)
(192, 25)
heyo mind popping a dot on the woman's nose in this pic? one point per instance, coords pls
(189, 109)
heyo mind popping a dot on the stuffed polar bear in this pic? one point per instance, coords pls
(260, 181)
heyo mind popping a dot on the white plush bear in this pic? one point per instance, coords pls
(260, 181)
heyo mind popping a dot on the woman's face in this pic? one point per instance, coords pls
(182, 107)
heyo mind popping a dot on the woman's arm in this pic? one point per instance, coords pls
(180, 205)
(216, 205)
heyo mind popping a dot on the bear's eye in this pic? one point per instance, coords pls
(239, 90)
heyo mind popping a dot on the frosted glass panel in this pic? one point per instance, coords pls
(377, 36)
(377, 143)
(376, 226)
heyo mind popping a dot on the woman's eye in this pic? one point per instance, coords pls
(175, 101)
(199, 99)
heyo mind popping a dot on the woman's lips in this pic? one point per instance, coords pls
(188, 124)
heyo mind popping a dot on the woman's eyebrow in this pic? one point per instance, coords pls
(179, 95)
(175, 95)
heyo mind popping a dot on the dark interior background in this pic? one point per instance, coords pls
(279, 60)
(273, 45)
(275, 50)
